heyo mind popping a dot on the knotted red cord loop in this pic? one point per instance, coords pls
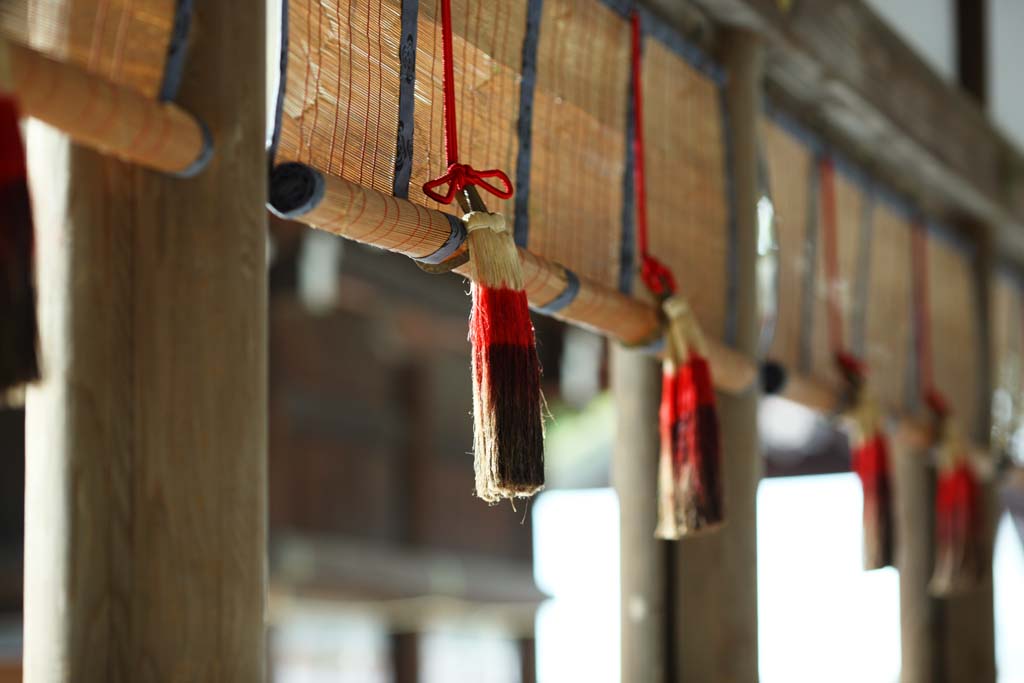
(655, 274)
(458, 176)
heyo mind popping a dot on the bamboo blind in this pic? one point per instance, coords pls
(1008, 357)
(888, 309)
(579, 137)
(953, 318)
(124, 41)
(688, 207)
(789, 164)
(343, 93)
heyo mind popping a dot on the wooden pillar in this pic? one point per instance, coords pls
(920, 613)
(145, 538)
(969, 619)
(527, 659)
(405, 657)
(716, 574)
(636, 384)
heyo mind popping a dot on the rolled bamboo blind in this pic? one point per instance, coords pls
(126, 42)
(107, 117)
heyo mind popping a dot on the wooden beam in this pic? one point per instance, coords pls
(837, 67)
(146, 440)
(715, 614)
(636, 385)
(972, 47)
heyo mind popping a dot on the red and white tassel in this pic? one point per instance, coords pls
(689, 477)
(18, 354)
(869, 458)
(960, 563)
(508, 435)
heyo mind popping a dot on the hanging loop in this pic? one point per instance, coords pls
(460, 176)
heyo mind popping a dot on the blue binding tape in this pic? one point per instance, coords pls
(205, 154)
(524, 126)
(295, 190)
(627, 243)
(566, 297)
(451, 245)
(177, 49)
(406, 99)
(732, 256)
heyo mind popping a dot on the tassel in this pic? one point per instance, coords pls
(869, 459)
(959, 557)
(508, 437)
(689, 481)
(19, 361)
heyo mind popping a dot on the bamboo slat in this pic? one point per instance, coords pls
(579, 137)
(788, 163)
(888, 311)
(123, 41)
(687, 200)
(107, 117)
(349, 210)
(953, 317)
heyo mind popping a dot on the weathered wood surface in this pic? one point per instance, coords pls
(146, 443)
(636, 385)
(715, 610)
(844, 72)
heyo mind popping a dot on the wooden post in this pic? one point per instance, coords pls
(969, 619)
(145, 538)
(920, 613)
(716, 610)
(636, 384)
(405, 657)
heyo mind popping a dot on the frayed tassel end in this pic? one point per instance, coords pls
(19, 362)
(960, 564)
(689, 486)
(508, 438)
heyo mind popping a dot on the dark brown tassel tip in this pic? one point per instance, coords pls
(509, 430)
(19, 361)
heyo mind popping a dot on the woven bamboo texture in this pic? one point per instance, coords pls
(124, 41)
(789, 164)
(341, 98)
(341, 110)
(888, 310)
(687, 202)
(1007, 300)
(579, 137)
(953, 318)
(488, 42)
(107, 117)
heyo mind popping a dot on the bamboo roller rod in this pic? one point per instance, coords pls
(106, 117)
(327, 202)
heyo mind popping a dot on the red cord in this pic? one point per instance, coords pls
(458, 176)
(851, 366)
(653, 272)
(932, 398)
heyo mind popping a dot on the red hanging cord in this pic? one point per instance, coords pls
(653, 272)
(923, 345)
(849, 364)
(458, 176)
